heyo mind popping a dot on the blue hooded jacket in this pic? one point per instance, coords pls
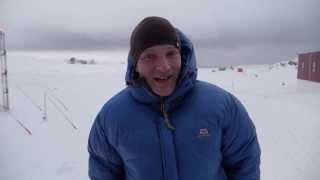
(199, 132)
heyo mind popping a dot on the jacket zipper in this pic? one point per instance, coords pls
(166, 117)
(163, 157)
(170, 127)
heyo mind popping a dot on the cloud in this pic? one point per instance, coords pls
(230, 25)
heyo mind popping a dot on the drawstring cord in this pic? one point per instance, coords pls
(166, 118)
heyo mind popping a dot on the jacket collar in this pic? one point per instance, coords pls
(187, 78)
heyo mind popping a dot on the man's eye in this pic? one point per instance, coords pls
(172, 53)
(148, 57)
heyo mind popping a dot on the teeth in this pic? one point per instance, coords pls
(162, 78)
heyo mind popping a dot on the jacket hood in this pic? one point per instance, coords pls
(187, 77)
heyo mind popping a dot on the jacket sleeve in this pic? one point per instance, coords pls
(240, 147)
(104, 161)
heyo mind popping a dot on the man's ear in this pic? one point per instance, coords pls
(136, 68)
(136, 74)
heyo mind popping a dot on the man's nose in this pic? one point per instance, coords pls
(163, 64)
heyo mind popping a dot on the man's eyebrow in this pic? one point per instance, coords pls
(172, 48)
(149, 50)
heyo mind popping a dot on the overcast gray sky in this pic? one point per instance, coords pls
(236, 31)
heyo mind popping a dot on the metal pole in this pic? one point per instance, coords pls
(44, 117)
(4, 73)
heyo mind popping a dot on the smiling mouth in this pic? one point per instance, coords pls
(162, 79)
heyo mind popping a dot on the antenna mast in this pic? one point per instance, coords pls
(4, 72)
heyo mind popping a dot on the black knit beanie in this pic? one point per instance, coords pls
(149, 32)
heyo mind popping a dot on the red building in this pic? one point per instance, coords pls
(309, 66)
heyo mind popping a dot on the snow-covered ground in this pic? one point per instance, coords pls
(285, 111)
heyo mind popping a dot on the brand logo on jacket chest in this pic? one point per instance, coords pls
(203, 133)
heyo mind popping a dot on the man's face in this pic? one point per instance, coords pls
(160, 66)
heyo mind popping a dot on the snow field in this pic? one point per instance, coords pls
(285, 111)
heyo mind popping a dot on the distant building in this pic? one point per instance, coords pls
(240, 69)
(309, 66)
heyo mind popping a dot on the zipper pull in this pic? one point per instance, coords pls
(166, 118)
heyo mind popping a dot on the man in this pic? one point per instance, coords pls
(166, 125)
